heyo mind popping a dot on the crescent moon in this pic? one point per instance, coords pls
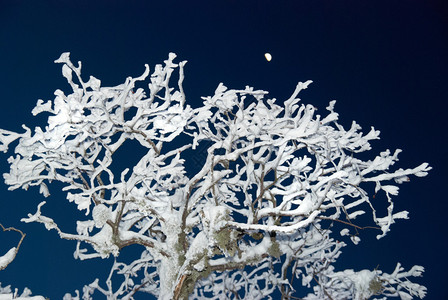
(268, 56)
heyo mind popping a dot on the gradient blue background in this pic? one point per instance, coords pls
(386, 62)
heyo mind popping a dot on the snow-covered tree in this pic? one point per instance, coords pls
(256, 217)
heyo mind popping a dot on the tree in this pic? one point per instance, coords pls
(255, 218)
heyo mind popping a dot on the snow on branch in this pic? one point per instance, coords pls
(266, 191)
(6, 293)
(7, 258)
(365, 284)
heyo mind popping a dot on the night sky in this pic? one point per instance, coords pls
(385, 62)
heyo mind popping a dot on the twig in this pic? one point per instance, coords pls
(348, 223)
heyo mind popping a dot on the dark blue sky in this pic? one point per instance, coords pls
(386, 62)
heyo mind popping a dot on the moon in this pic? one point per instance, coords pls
(268, 56)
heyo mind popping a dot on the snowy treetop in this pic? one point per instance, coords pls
(275, 176)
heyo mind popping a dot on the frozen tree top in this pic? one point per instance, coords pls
(271, 184)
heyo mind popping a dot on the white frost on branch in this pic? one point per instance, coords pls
(11, 254)
(6, 293)
(7, 258)
(365, 284)
(272, 182)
